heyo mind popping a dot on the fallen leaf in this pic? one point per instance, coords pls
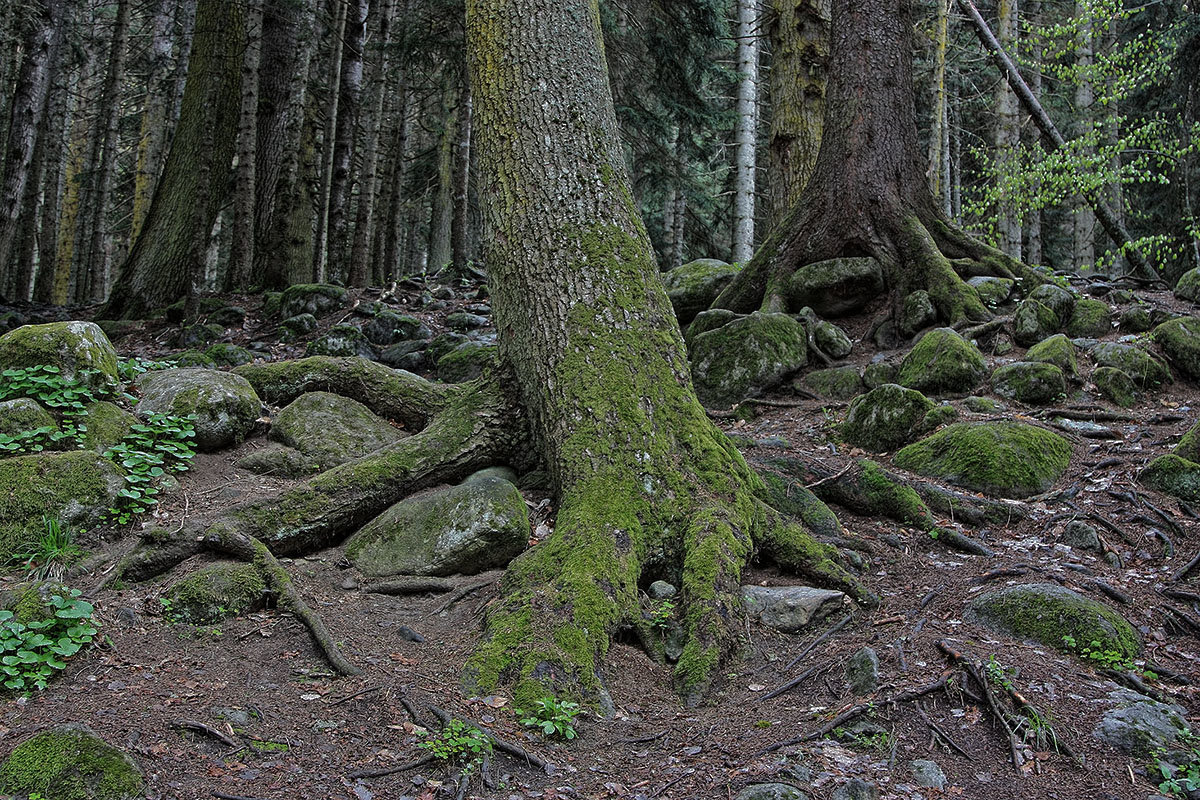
(756, 687)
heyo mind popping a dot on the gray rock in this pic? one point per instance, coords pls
(661, 590)
(1081, 536)
(464, 529)
(1188, 287)
(1115, 386)
(82, 765)
(342, 340)
(942, 362)
(504, 473)
(1057, 617)
(283, 462)
(1033, 322)
(877, 373)
(295, 328)
(917, 314)
(466, 321)
(24, 414)
(1089, 318)
(1057, 350)
(465, 362)
(745, 357)
(708, 321)
(387, 327)
(1030, 382)
(409, 635)
(225, 405)
(928, 774)
(832, 340)
(1057, 299)
(885, 417)
(1146, 371)
(856, 789)
(1138, 725)
(409, 356)
(692, 287)
(74, 347)
(328, 429)
(862, 671)
(229, 355)
(837, 287)
(790, 608)
(311, 298)
(770, 791)
(992, 291)
(1180, 341)
(835, 383)
(199, 334)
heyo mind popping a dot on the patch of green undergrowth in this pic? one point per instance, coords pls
(554, 717)
(48, 556)
(459, 745)
(1180, 775)
(1096, 653)
(32, 652)
(152, 449)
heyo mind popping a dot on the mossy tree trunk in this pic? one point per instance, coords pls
(869, 195)
(171, 247)
(647, 486)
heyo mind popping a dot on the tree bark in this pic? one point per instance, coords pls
(156, 111)
(240, 272)
(1083, 219)
(349, 109)
(172, 247)
(939, 131)
(746, 130)
(646, 485)
(460, 219)
(1007, 135)
(334, 71)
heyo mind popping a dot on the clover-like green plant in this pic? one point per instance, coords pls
(459, 745)
(32, 652)
(554, 717)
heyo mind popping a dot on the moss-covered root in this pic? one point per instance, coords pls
(159, 551)
(794, 549)
(923, 266)
(979, 258)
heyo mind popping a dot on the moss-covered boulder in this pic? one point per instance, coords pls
(1007, 459)
(23, 414)
(298, 327)
(198, 335)
(1188, 287)
(832, 340)
(1180, 341)
(229, 355)
(1143, 727)
(917, 313)
(937, 416)
(885, 417)
(1030, 382)
(462, 529)
(214, 593)
(692, 287)
(225, 405)
(75, 487)
(1115, 386)
(1049, 613)
(1033, 322)
(1089, 319)
(746, 357)
(1146, 371)
(942, 363)
(280, 461)
(192, 358)
(1059, 300)
(74, 347)
(312, 298)
(70, 762)
(835, 383)
(1057, 350)
(992, 291)
(466, 321)
(1189, 444)
(838, 287)
(329, 429)
(107, 424)
(466, 362)
(1137, 319)
(342, 340)
(389, 327)
(877, 373)
(1173, 475)
(707, 321)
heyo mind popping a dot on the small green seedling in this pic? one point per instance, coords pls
(459, 745)
(553, 716)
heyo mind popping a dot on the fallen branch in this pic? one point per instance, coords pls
(411, 585)
(208, 730)
(502, 745)
(792, 684)
(462, 593)
(837, 626)
(379, 773)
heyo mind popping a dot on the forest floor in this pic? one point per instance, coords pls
(302, 733)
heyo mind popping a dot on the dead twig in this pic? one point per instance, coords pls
(837, 626)
(350, 697)
(199, 727)
(379, 773)
(462, 593)
(792, 684)
(945, 737)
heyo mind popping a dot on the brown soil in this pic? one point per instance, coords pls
(308, 732)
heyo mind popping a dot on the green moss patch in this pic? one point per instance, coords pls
(1057, 350)
(1032, 382)
(942, 362)
(692, 287)
(1146, 371)
(1048, 612)
(1008, 459)
(1090, 318)
(1173, 475)
(73, 347)
(885, 417)
(1115, 386)
(214, 593)
(70, 762)
(1180, 341)
(746, 357)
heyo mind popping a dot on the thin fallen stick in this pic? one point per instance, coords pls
(500, 744)
(208, 730)
(1183, 571)
(792, 684)
(350, 697)
(379, 773)
(836, 627)
(945, 737)
(466, 591)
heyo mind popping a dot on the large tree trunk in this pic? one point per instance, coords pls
(349, 107)
(869, 195)
(1007, 135)
(195, 182)
(647, 486)
(240, 272)
(746, 130)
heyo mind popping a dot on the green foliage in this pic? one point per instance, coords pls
(49, 554)
(31, 652)
(1179, 780)
(148, 452)
(997, 673)
(660, 613)
(130, 368)
(877, 740)
(553, 716)
(41, 438)
(459, 745)
(46, 384)
(1104, 657)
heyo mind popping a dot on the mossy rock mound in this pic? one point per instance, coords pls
(70, 762)
(296, 328)
(312, 298)
(1047, 612)
(280, 461)
(1137, 319)
(709, 320)
(75, 487)
(838, 287)
(1059, 300)
(74, 347)
(835, 383)
(198, 334)
(229, 355)
(1145, 370)
(225, 405)
(1115, 386)
(1173, 475)
(941, 363)
(1188, 287)
(992, 291)
(466, 362)
(1057, 350)
(328, 429)
(1090, 319)
(832, 340)
(885, 417)
(1030, 382)
(23, 414)
(917, 313)
(1189, 444)
(215, 593)
(389, 327)
(745, 357)
(192, 358)
(1180, 341)
(342, 340)
(1033, 322)
(693, 286)
(464, 529)
(1005, 459)
(107, 424)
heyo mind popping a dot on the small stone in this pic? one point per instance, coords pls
(928, 774)
(790, 608)
(409, 635)
(349, 584)
(856, 789)
(770, 791)
(661, 590)
(1081, 536)
(862, 671)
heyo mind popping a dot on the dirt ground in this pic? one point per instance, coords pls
(302, 733)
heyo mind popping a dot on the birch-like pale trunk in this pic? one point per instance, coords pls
(1007, 135)
(745, 131)
(240, 272)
